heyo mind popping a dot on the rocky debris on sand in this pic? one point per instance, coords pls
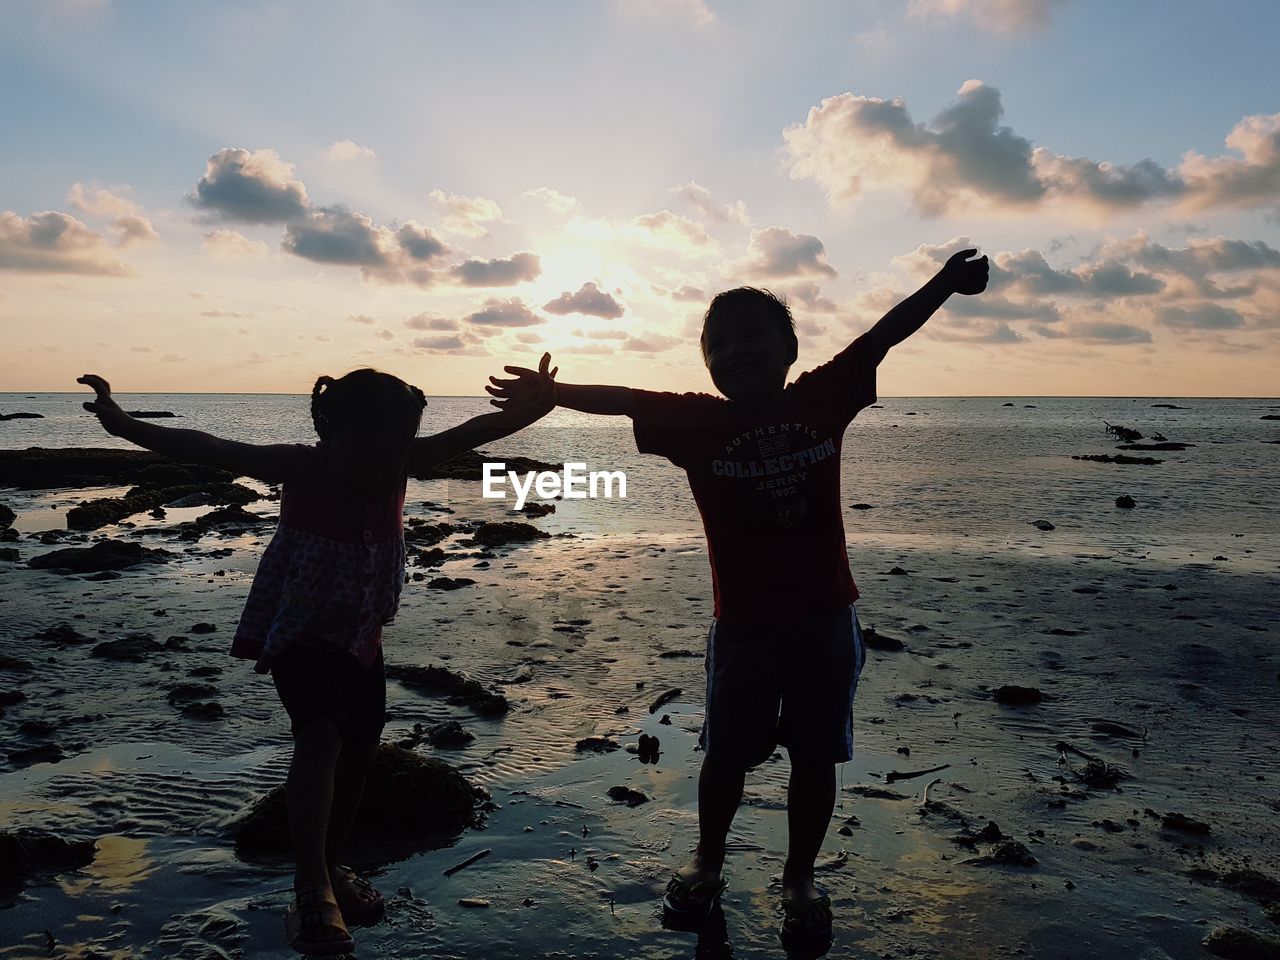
(470, 466)
(596, 745)
(62, 635)
(10, 554)
(1253, 884)
(449, 583)
(1009, 853)
(431, 557)
(991, 833)
(7, 517)
(1237, 943)
(632, 798)
(232, 521)
(27, 854)
(406, 797)
(458, 688)
(1042, 524)
(419, 531)
(450, 735)
(878, 641)
(133, 648)
(1183, 824)
(103, 555)
(1013, 695)
(38, 468)
(537, 509)
(1125, 502)
(98, 513)
(1118, 458)
(502, 532)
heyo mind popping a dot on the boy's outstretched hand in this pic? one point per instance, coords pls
(109, 413)
(967, 276)
(530, 391)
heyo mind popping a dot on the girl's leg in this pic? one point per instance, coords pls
(349, 776)
(309, 795)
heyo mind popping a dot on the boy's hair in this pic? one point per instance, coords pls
(366, 400)
(752, 300)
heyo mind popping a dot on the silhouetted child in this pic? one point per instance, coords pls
(785, 650)
(325, 586)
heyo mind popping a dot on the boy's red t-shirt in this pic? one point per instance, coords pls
(767, 485)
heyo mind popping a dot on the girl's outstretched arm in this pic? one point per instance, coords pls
(271, 462)
(526, 399)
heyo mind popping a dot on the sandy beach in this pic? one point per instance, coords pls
(1124, 807)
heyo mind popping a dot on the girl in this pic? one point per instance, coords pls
(325, 586)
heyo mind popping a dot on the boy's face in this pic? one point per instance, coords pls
(747, 355)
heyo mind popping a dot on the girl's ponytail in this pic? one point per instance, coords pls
(318, 395)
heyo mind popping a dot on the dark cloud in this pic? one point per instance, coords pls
(430, 321)
(589, 300)
(652, 343)
(497, 273)
(505, 313)
(1204, 316)
(255, 187)
(688, 293)
(336, 235)
(419, 243)
(451, 343)
(777, 252)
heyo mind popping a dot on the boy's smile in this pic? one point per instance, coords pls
(747, 356)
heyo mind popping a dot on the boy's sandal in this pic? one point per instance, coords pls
(314, 925)
(688, 900)
(358, 899)
(810, 920)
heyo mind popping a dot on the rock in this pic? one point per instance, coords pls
(1012, 695)
(1163, 445)
(538, 509)
(449, 734)
(1125, 502)
(1253, 884)
(24, 415)
(596, 745)
(1169, 406)
(233, 521)
(433, 557)
(878, 641)
(861, 506)
(7, 517)
(9, 697)
(10, 554)
(1118, 458)
(408, 798)
(150, 414)
(36, 728)
(206, 710)
(632, 798)
(459, 688)
(187, 692)
(103, 555)
(1183, 823)
(1270, 416)
(897, 572)
(473, 903)
(1236, 943)
(1006, 404)
(134, 648)
(503, 532)
(98, 513)
(44, 753)
(449, 583)
(1042, 525)
(38, 468)
(15, 664)
(26, 854)
(203, 627)
(1009, 853)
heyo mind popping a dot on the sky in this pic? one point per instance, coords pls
(240, 197)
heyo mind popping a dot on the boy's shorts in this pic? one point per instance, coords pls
(792, 685)
(319, 681)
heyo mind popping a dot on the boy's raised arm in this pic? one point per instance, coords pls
(958, 275)
(269, 462)
(521, 401)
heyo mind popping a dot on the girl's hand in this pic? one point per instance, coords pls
(531, 392)
(967, 276)
(108, 411)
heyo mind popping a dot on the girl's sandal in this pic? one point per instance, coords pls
(359, 900)
(808, 921)
(314, 925)
(692, 901)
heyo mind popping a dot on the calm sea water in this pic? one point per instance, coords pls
(961, 472)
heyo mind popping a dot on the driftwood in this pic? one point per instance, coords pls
(894, 775)
(468, 862)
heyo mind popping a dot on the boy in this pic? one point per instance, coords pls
(785, 650)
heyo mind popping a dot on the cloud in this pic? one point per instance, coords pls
(505, 313)
(126, 216)
(602, 334)
(994, 16)
(255, 187)
(589, 299)
(232, 244)
(688, 294)
(653, 343)
(54, 242)
(997, 331)
(964, 161)
(557, 201)
(673, 230)
(362, 318)
(777, 252)
(431, 321)
(337, 235)
(348, 151)
(1205, 316)
(464, 215)
(527, 336)
(508, 272)
(695, 11)
(420, 244)
(699, 197)
(808, 295)
(1096, 332)
(457, 343)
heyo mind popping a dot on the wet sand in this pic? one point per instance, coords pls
(1183, 655)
